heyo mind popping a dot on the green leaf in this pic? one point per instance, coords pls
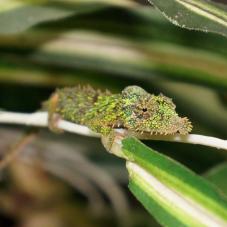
(157, 179)
(218, 175)
(200, 15)
(17, 16)
(153, 205)
(131, 59)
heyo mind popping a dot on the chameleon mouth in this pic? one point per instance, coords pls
(185, 126)
(155, 132)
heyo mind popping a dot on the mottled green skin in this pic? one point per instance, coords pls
(133, 109)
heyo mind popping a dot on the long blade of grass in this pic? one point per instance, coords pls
(106, 54)
(180, 196)
(200, 15)
(17, 16)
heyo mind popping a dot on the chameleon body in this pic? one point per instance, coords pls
(133, 109)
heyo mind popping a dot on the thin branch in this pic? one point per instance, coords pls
(193, 139)
(39, 119)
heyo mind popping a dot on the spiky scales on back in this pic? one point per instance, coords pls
(133, 109)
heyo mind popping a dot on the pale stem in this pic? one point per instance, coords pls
(39, 119)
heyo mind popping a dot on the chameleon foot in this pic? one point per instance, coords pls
(112, 142)
(53, 122)
(53, 117)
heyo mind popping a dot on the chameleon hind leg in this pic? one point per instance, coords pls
(53, 117)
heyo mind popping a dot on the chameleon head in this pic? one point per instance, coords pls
(147, 113)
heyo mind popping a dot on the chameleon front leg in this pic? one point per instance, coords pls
(53, 117)
(112, 141)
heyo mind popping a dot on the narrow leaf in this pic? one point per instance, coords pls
(200, 15)
(218, 175)
(17, 16)
(130, 58)
(172, 181)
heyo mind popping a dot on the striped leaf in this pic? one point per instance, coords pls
(200, 15)
(17, 16)
(173, 194)
(218, 175)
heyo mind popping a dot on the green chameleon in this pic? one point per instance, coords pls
(133, 109)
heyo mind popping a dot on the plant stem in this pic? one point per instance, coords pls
(39, 119)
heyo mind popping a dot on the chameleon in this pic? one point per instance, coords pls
(134, 109)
